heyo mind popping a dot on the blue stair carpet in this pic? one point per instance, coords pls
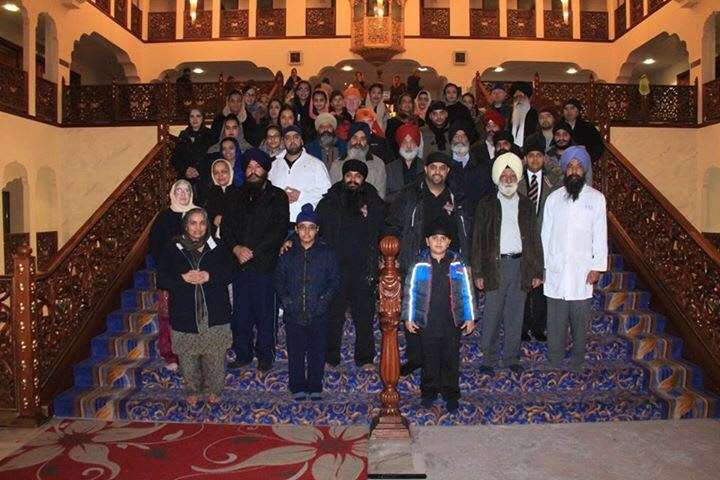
(633, 372)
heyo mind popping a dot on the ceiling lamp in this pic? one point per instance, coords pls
(498, 69)
(565, 10)
(422, 69)
(347, 68)
(198, 70)
(571, 71)
(649, 61)
(377, 33)
(193, 10)
(11, 7)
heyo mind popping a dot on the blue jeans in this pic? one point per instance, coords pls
(254, 317)
(306, 354)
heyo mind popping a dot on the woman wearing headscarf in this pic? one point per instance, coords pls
(374, 100)
(422, 102)
(301, 102)
(167, 225)
(230, 152)
(273, 113)
(221, 194)
(189, 155)
(197, 269)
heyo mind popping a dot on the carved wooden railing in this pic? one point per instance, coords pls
(46, 99)
(655, 5)
(270, 22)
(103, 5)
(320, 22)
(55, 313)
(161, 26)
(636, 12)
(120, 14)
(674, 260)
(389, 423)
(13, 90)
(484, 23)
(11, 242)
(555, 26)
(200, 28)
(711, 100)
(620, 20)
(521, 23)
(435, 22)
(594, 25)
(136, 21)
(47, 248)
(234, 23)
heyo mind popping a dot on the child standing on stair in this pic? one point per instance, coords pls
(306, 280)
(438, 303)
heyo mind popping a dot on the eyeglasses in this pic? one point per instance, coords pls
(311, 227)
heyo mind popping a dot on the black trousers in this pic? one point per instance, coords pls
(356, 295)
(535, 318)
(440, 366)
(306, 355)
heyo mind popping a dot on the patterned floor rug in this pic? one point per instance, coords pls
(86, 449)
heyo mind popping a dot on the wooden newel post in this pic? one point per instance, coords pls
(23, 291)
(389, 423)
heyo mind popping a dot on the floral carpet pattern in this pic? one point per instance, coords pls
(87, 449)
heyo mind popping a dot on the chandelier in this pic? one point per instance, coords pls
(377, 29)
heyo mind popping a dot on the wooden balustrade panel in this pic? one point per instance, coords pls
(46, 99)
(201, 28)
(484, 23)
(47, 247)
(556, 93)
(270, 22)
(714, 238)
(616, 103)
(636, 12)
(521, 23)
(555, 26)
(137, 102)
(11, 242)
(672, 104)
(161, 26)
(435, 22)
(594, 25)
(711, 100)
(136, 21)
(205, 96)
(87, 104)
(320, 22)
(8, 396)
(655, 5)
(13, 89)
(121, 12)
(620, 21)
(80, 277)
(677, 258)
(234, 23)
(103, 5)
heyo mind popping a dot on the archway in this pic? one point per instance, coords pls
(45, 203)
(664, 59)
(14, 36)
(548, 71)
(46, 46)
(15, 199)
(239, 71)
(710, 62)
(98, 61)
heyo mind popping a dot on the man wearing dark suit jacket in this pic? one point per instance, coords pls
(536, 184)
(524, 117)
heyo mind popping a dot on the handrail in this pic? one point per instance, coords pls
(676, 262)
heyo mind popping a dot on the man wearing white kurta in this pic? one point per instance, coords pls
(574, 238)
(304, 178)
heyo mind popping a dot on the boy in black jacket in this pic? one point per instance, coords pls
(306, 280)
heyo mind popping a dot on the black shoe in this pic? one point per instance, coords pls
(486, 370)
(539, 336)
(239, 363)
(525, 337)
(516, 368)
(427, 402)
(452, 405)
(264, 366)
(408, 369)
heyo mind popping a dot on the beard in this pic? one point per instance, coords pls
(508, 189)
(520, 112)
(358, 153)
(409, 154)
(574, 185)
(327, 139)
(294, 151)
(255, 183)
(460, 148)
(353, 197)
(562, 144)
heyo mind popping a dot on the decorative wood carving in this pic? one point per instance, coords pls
(320, 22)
(234, 23)
(435, 22)
(47, 245)
(161, 26)
(201, 28)
(594, 25)
(8, 365)
(711, 100)
(655, 5)
(103, 5)
(521, 23)
(87, 104)
(270, 22)
(121, 12)
(620, 21)
(555, 26)
(45, 99)
(136, 21)
(714, 239)
(636, 12)
(11, 243)
(13, 89)
(484, 23)
(390, 423)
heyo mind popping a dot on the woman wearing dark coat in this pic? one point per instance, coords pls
(189, 155)
(197, 269)
(221, 194)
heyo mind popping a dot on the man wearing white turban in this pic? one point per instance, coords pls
(507, 261)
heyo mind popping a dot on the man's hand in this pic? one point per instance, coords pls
(480, 283)
(593, 277)
(411, 327)
(287, 245)
(192, 276)
(293, 194)
(243, 254)
(536, 282)
(468, 327)
(191, 172)
(203, 277)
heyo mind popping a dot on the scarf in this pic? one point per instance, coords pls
(175, 205)
(230, 169)
(439, 133)
(420, 112)
(184, 239)
(380, 112)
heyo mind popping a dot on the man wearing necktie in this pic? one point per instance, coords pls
(536, 184)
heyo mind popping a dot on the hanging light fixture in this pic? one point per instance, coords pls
(565, 10)
(193, 10)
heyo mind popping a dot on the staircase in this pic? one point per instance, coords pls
(633, 372)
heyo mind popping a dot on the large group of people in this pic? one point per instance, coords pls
(281, 202)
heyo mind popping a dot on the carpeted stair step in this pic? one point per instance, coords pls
(145, 280)
(648, 346)
(138, 299)
(124, 345)
(690, 403)
(133, 322)
(623, 300)
(616, 262)
(617, 280)
(666, 375)
(629, 323)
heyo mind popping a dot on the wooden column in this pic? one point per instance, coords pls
(390, 423)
